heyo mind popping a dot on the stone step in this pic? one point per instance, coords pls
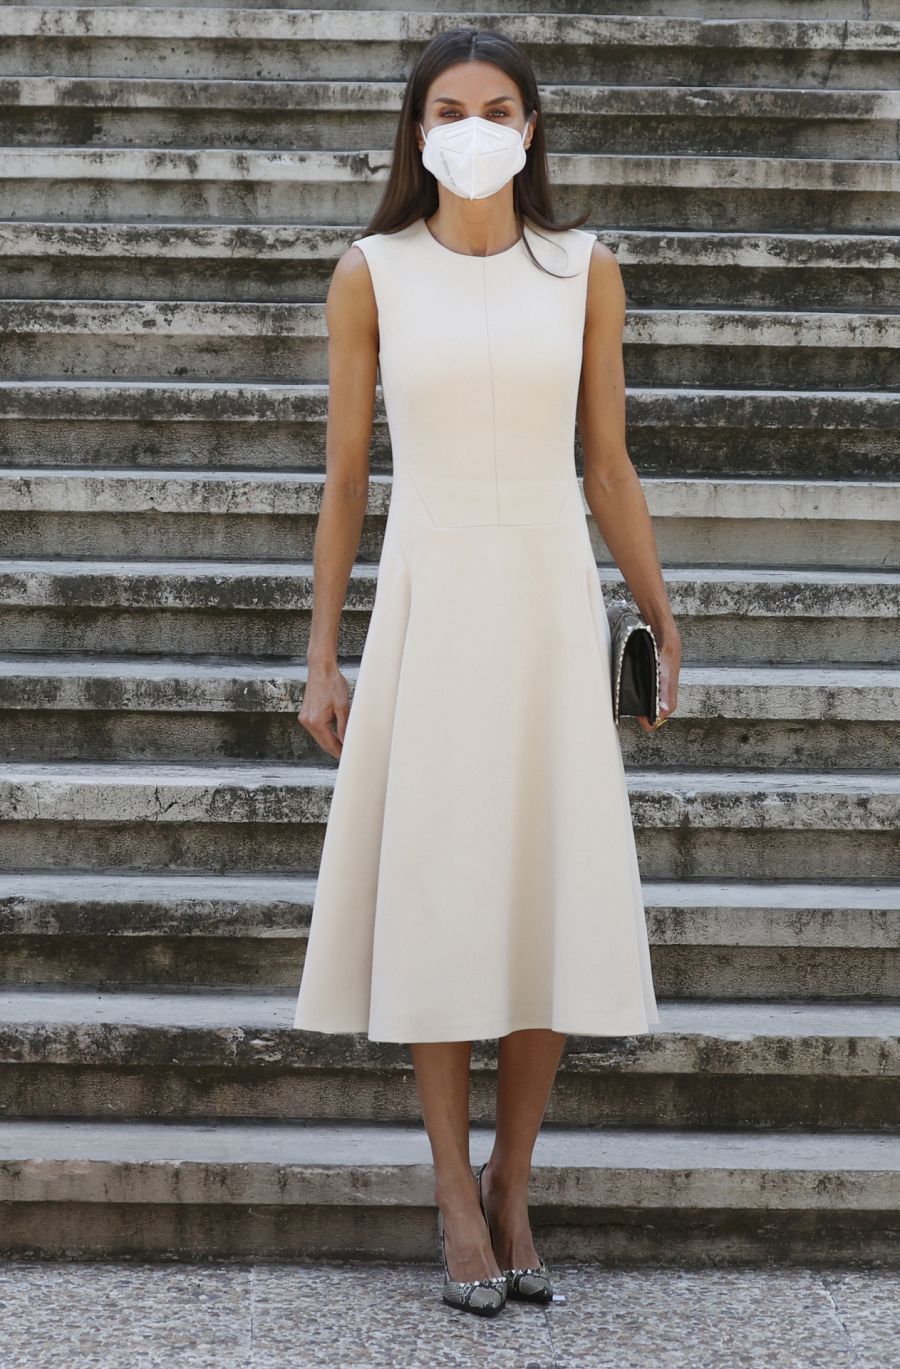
(292, 263)
(359, 45)
(707, 939)
(226, 425)
(222, 340)
(120, 512)
(316, 187)
(251, 817)
(766, 824)
(726, 614)
(185, 1190)
(234, 1053)
(706, 9)
(113, 707)
(137, 110)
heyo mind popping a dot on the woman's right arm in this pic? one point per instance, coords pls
(351, 319)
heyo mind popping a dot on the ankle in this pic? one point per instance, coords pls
(456, 1192)
(507, 1187)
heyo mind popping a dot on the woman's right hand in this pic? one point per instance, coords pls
(325, 698)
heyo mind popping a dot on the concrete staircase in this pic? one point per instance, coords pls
(177, 185)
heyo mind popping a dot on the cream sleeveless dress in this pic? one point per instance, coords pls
(478, 872)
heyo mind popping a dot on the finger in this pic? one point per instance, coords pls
(328, 741)
(341, 714)
(320, 729)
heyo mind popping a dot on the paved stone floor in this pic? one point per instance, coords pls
(121, 1315)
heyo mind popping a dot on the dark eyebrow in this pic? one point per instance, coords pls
(448, 100)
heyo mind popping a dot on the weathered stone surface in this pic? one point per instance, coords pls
(161, 817)
(187, 1191)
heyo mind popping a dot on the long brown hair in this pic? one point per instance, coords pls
(411, 191)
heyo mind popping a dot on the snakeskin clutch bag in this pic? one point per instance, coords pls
(635, 664)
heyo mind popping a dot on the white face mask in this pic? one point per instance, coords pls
(473, 157)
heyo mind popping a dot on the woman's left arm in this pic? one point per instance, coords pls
(611, 486)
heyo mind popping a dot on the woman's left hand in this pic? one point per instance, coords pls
(669, 670)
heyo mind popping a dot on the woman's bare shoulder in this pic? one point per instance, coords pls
(605, 288)
(355, 257)
(603, 258)
(351, 301)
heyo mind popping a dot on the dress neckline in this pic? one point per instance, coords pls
(470, 256)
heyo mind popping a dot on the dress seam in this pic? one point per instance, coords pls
(487, 337)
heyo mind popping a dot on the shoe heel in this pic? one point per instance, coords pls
(529, 1284)
(485, 1297)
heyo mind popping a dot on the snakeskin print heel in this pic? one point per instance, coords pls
(485, 1297)
(529, 1284)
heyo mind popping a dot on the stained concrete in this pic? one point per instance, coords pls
(334, 1316)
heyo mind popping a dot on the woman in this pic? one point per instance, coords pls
(478, 875)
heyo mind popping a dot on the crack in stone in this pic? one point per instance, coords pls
(854, 1353)
(160, 809)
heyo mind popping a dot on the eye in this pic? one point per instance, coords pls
(455, 114)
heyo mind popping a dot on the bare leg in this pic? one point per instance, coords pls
(527, 1065)
(442, 1080)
